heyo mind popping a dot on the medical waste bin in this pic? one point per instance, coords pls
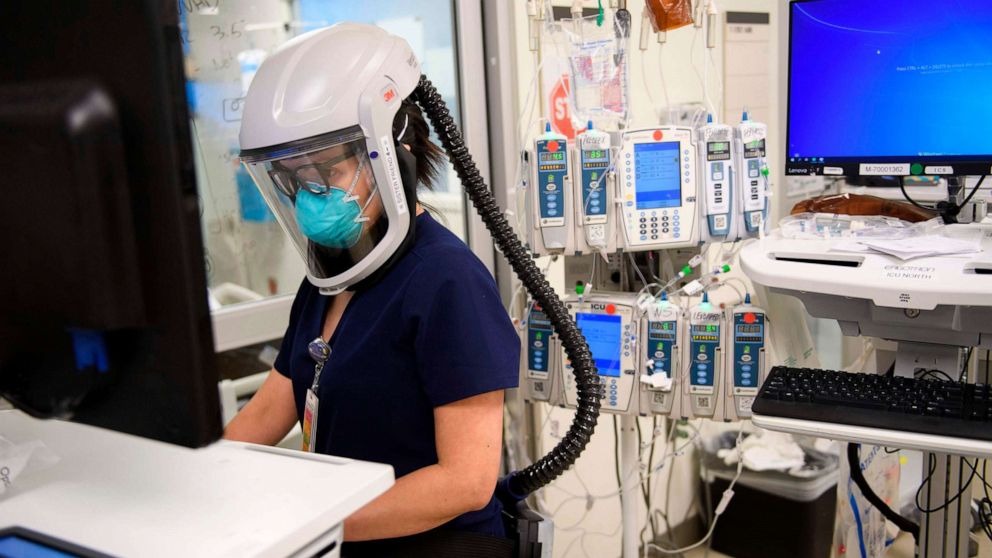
(774, 514)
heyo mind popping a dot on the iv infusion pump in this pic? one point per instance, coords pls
(705, 360)
(661, 353)
(750, 141)
(658, 189)
(746, 366)
(657, 185)
(539, 355)
(716, 157)
(571, 202)
(652, 357)
(595, 213)
(610, 323)
(549, 212)
(734, 184)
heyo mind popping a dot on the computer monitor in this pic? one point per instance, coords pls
(103, 295)
(893, 88)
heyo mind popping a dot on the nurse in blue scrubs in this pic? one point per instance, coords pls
(405, 367)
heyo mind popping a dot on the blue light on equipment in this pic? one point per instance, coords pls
(90, 349)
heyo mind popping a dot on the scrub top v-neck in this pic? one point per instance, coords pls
(431, 332)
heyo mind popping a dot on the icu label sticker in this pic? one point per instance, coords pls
(938, 170)
(871, 169)
(924, 273)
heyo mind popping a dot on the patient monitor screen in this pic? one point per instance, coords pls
(657, 174)
(603, 333)
(871, 79)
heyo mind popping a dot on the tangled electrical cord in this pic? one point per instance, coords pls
(948, 211)
(653, 467)
(721, 507)
(985, 516)
(985, 504)
(932, 467)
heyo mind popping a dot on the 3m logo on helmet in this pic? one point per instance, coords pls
(389, 95)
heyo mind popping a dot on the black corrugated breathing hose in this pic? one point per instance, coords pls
(519, 484)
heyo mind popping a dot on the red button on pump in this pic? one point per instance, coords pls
(657, 135)
(611, 309)
(750, 318)
(552, 146)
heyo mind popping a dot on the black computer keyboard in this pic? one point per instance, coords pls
(926, 406)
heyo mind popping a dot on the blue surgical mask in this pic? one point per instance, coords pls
(332, 218)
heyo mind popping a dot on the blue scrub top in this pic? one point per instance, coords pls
(431, 332)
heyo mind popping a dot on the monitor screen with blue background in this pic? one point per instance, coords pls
(890, 81)
(657, 174)
(13, 546)
(603, 333)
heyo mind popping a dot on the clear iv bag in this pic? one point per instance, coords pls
(596, 59)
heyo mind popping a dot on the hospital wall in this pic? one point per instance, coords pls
(591, 526)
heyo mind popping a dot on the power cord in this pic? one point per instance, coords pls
(985, 515)
(930, 472)
(616, 460)
(964, 367)
(973, 192)
(985, 504)
(948, 211)
(728, 495)
(905, 194)
(646, 483)
(857, 475)
(934, 373)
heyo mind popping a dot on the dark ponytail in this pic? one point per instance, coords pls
(430, 157)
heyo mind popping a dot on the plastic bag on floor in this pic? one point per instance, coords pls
(860, 531)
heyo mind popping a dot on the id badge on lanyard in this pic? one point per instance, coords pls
(320, 352)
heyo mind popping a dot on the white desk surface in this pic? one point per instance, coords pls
(921, 283)
(129, 496)
(877, 436)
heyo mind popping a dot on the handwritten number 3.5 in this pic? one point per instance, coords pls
(233, 31)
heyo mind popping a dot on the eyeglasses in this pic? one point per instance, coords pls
(316, 178)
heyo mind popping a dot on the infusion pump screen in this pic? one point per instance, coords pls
(718, 151)
(549, 157)
(661, 330)
(603, 333)
(754, 149)
(596, 155)
(750, 333)
(706, 332)
(658, 176)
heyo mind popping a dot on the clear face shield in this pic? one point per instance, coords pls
(326, 197)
